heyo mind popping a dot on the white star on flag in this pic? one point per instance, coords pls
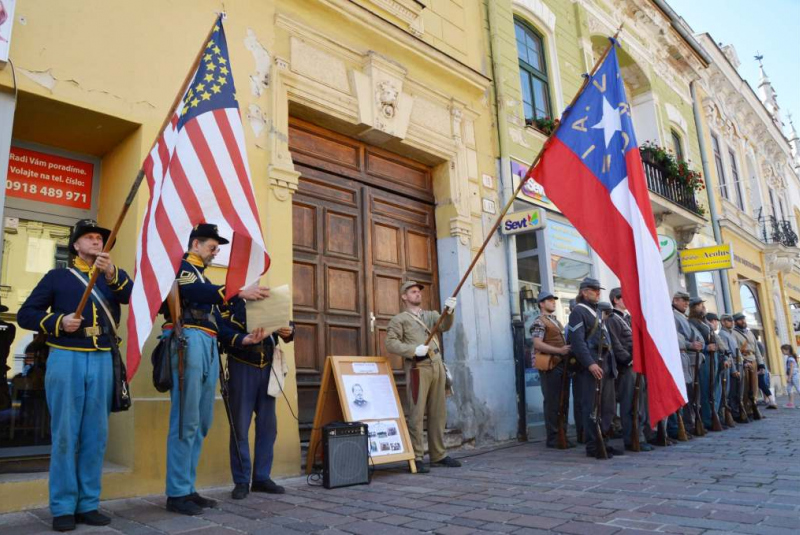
(611, 121)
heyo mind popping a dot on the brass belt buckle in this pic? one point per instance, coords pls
(92, 331)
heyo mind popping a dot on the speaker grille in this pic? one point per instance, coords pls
(346, 460)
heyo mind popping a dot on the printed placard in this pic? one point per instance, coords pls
(42, 177)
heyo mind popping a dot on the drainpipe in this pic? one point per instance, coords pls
(712, 202)
(507, 188)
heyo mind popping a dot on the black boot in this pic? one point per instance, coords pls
(267, 486)
(92, 518)
(240, 491)
(64, 523)
(184, 505)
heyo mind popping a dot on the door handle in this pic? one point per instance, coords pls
(372, 322)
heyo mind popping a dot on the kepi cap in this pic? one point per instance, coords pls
(726, 317)
(681, 295)
(410, 284)
(85, 226)
(712, 317)
(696, 301)
(544, 295)
(739, 316)
(604, 306)
(207, 230)
(589, 282)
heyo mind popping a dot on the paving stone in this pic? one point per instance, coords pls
(542, 522)
(585, 528)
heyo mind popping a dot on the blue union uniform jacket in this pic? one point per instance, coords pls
(58, 294)
(585, 343)
(232, 321)
(199, 298)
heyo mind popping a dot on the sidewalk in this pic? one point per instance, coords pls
(744, 480)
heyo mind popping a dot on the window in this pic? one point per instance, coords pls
(532, 73)
(723, 186)
(736, 182)
(676, 144)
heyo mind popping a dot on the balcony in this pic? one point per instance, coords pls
(774, 231)
(670, 190)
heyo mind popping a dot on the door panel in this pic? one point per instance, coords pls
(355, 243)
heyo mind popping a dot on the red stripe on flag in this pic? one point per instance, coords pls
(235, 153)
(186, 193)
(213, 175)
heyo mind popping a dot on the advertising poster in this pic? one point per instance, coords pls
(42, 177)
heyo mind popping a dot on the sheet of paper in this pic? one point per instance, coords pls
(272, 313)
(384, 438)
(370, 397)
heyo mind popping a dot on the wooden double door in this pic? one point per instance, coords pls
(363, 223)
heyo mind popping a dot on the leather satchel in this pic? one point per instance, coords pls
(162, 362)
(544, 362)
(279, 370)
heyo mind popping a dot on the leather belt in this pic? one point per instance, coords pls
(421, 359)
(88, 332)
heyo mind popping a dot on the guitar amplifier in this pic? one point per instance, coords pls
(345, 459)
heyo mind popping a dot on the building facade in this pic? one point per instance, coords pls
(540, 50)
(754, 180)
(369, 137)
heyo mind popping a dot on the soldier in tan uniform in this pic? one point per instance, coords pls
(752, 357)
(406, 337)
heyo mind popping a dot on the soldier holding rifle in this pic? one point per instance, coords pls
(551, 347)
(193, 390)
(689, 342)
(249, 372)
(79, 370)
(733, 373)
(629, 383)
(406, 335)
(589, 343)
(707, 380)
(751, 358)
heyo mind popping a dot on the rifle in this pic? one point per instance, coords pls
(716, 425)
(699, 428)
(174, 305)
(598, 396)
(752, 378)
(661, 434)
(223, 390)
(635, 445)
(726, 410)
(561, 439)
(683, 436)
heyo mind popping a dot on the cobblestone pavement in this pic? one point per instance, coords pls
(744, 480)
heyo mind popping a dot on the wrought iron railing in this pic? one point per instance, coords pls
(670, 189)
(776, 231)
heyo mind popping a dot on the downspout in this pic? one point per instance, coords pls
(506, 180)
(712, 202)
(507, 188)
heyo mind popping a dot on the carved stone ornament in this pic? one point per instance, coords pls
(685, 235)
(386, 95)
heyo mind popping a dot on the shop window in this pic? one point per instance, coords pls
(532, 73)
(31, 249)
(750, 306)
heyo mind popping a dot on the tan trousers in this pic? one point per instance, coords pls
(430, 400)
(750, 386)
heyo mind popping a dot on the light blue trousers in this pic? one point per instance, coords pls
(79, 390)
(201, 370)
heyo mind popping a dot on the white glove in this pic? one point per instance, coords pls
(450, 303)
(421, 351)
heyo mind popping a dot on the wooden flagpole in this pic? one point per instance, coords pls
(140, 175)
(519, 187)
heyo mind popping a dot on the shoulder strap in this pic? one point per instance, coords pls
(100, 300)
(427, 331)
(596, 320)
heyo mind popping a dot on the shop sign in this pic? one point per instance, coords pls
(707, 258)
(42, 177)
(532, 191)
(668, 247)
(6, 25)
(526, 221)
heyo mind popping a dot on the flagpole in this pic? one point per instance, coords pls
(521, 184)
(140, 175)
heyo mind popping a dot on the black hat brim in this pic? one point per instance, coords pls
(3, 308)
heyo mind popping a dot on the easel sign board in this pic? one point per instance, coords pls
(362, 389)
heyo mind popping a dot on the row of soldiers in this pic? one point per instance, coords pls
(594, 355)
(79, 375)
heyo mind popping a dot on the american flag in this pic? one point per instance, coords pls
(197, 172)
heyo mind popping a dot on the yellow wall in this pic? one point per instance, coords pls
(107, 74)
